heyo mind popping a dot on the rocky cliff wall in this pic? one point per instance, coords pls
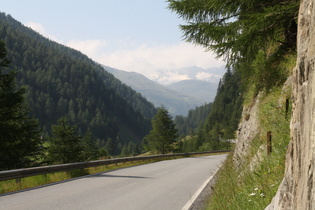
(297, 188)
(248, 129)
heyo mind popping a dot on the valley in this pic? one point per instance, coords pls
(178, 97)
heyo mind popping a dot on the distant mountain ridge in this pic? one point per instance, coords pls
(178, 97)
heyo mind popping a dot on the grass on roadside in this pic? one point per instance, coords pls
(34, 181)
(242, 188)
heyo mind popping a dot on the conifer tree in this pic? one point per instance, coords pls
(89, 147)
(20, 142)
(65, 144)
(163, 133)
(238, 29)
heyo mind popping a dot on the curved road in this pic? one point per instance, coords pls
(161, 185)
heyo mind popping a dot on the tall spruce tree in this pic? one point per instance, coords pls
(163, 133)
(238, 29)
(20, 142)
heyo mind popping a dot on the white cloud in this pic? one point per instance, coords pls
(91, 47)
(168, 77)
(147, 60)
(203, 75)
(144, 59)
(36, 27)
(42, 30)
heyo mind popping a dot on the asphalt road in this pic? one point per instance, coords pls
(163, 185)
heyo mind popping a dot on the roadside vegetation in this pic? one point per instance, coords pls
(246, 187)
(35, 181)
(253, 184)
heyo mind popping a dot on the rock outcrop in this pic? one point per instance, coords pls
(297, 188)
(248, 129)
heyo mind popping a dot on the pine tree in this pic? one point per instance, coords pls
(163, 133)
(20, 143)
(65, 144)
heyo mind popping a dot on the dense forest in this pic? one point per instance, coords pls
(62, 82)
(225, 114)
(189, 125)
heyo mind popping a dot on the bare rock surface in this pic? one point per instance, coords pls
(248, 129)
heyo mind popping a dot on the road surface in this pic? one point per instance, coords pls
(162, 185)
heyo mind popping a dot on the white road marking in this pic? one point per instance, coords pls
(195, 196)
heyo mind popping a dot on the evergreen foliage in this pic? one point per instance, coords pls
(189, 125)
(130, 149)
(90, 150)
(63, 82)
(225, 114)
(163, 134)
(20, 143)
(253, 37)
(218, 120)
(65, 144)
(238, 29)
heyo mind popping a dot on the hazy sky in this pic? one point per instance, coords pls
(132, 35)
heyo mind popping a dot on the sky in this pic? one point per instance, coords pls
(132, 35)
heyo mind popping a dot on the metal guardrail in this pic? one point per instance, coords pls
(26, 172)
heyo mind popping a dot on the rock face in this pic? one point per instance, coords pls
(248, 129)
(297, 188)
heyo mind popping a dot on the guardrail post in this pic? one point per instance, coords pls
(269, 147)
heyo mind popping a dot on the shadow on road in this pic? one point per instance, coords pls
(117, 176)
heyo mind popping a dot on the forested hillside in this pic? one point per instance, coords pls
(225, 112)
(209, 126)
(188, 125)
(62, 82)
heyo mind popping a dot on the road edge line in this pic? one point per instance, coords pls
(189, 204)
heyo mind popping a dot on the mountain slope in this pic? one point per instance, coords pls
(61, 81)
(176, 103)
